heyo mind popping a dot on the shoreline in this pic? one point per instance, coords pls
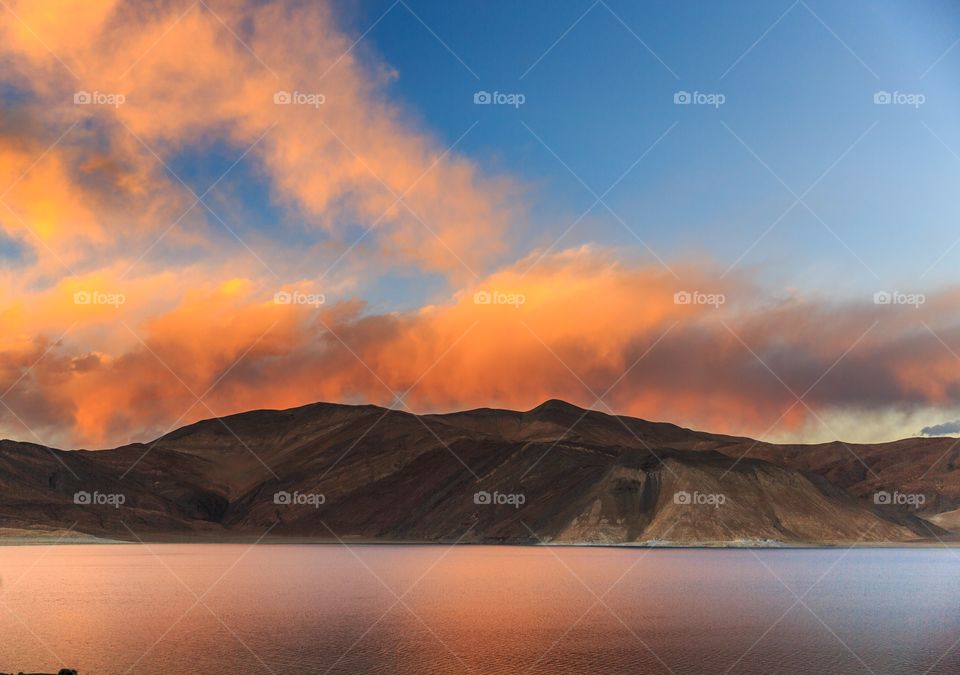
(66, 538)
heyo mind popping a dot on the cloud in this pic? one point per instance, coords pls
(335, 152)
(944, 429)
(128, 301)
(92, 203)
(578, 324)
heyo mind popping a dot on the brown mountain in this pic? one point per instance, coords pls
(557, 473)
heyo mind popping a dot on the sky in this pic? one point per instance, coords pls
(734, 216)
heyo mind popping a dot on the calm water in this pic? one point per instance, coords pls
(291, 609)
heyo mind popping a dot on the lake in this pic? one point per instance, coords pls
(218, 608)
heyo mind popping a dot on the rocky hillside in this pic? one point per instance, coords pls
(556, 473)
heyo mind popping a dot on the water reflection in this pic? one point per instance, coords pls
(213, 608)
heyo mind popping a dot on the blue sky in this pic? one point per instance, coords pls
(799, 81)
(815, 164)
(599, 78)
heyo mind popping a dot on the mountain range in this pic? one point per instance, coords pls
(553, 474)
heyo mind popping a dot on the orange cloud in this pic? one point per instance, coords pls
(580, 324)
(164, 79)
(85, 186)
(86, 191)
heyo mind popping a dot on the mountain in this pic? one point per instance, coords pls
(556, 473)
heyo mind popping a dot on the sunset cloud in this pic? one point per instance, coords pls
(288, 94)
(138, 285)
(580, 324)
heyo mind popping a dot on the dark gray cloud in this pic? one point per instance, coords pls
(941, 429)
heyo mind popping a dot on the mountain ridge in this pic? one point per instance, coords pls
(582, 476)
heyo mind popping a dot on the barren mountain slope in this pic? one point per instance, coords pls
(555, 473)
